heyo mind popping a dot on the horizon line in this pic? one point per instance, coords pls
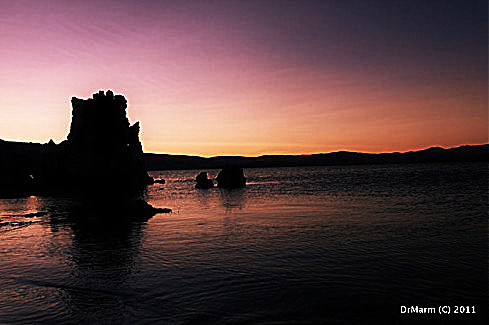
(282, 154)
(317, 153)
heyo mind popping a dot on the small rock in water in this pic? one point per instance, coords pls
(141, 207)
(231, 177)
(162, 210)
(35, 214)
(29, 215)
(203, 182)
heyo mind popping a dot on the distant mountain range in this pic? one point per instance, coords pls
(28, 154)
(430, 155)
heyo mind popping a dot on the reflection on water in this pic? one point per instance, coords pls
(19, 212)
(70, 266)
(297, 245)
(233, 199)
(103, 254)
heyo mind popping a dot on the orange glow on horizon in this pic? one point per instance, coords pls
(254, 154)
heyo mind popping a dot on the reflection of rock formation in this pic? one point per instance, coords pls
(102, 150)
(103, 252)
(233, 200)
(78, 273)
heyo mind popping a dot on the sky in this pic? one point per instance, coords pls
(252, 77)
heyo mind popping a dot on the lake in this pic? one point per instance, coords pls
(311, 245)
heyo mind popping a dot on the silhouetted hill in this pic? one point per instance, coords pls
(22, 158)
(434, 154)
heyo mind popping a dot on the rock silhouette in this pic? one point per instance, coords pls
(231, 177)
(101, 161)
(18, 161)
(203, 182)
(102, 148)
(143, 209)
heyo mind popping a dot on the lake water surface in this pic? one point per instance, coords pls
(312, 245)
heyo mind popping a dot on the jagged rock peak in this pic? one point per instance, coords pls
(101, 140)
(103, 114)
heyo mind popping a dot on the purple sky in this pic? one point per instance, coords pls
(252, 77)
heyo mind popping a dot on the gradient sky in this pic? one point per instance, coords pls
(252, 77)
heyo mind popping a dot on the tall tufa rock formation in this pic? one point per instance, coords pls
(101, 162)
(102, 152)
